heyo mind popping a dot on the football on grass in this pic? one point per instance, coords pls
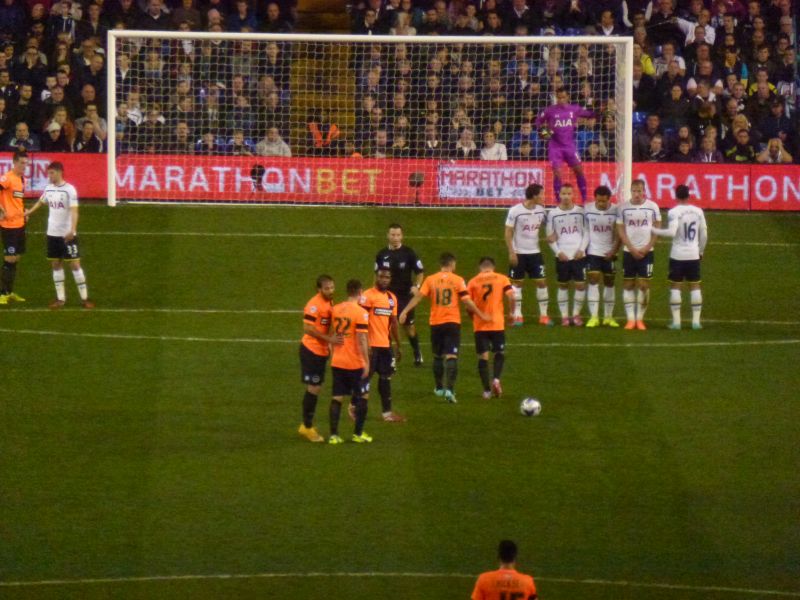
(530, 407)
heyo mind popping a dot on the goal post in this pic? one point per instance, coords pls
(360, 120)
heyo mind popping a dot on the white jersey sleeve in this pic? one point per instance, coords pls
(527, 224)
(569, 229)
(600, 225)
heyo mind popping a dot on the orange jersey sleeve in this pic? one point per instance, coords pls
(348, 320)
(381, 306)
(317, 313)
(487, 291)
(11, 199)
(504, 584)
(444, 289)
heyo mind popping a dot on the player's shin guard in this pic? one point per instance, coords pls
(309, 408)
(563, 302)
(582, 187)
(629, 299)
(642, 299)
(675, 306)
(517, 300)
(483, 371)
(336, 411)
(385, 391)
(8, 276)
(696, 297)
(58, 281)
(577, 302)
(499, 361)
(361, 414)
(438, 371)
(593, 294)
(543, 297)
(80, 281)
(608, 302)
(451, 372)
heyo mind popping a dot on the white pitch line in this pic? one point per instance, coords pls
(394, 575)
(359, 236)
(175, 338)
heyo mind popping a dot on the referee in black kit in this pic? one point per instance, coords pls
(407, 273)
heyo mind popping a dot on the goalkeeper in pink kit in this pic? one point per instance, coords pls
(558, 124)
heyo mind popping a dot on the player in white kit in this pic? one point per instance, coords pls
(686, 225)
(62, 233)
(635, 221)
(524, 224)
(601, 219)
(568, 238)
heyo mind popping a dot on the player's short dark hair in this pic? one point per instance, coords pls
(507, 551)
(395, 226)
(637, 183)
(56, 166)
(486, 260)
(322, 280)
(383, 270)
(602, 190)
(354, 287)
(19, 153)
(533, 190)
(682, 192)
(446, 258)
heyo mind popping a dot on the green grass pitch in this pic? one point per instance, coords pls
(149, 438)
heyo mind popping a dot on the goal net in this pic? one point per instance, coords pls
(341, 119)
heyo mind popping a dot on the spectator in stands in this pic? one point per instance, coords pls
(12, 20)
(151, 132)
(26, 107)
(54, 139)
(30, 69)
(87, 141)
(366, 24)
(655, 150)
(465, 147)
(93, 26)
(777, 124)
(91, 114)
(402, 25)
(273, 144)
(275, 23)
(238, 145)
(663, 27)
(154, 18)
(23, 139)
(644, 90)
(378, 146)
(400, 146)
(683, 154)
(742, 151)
(124, 125)
(187, 13)
(642, 138)
(275, 65)
(431, 24)
(524, 134)
(4, 118)
(242, 18)
(774, 153)
(126, 11)
(208, 145)
(708, 152)
(181, 141)
(432, 145)
(758, 106)
(668, 80)
(668, 55)
(608, 25)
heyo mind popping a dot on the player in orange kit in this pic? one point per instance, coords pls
(444, 289)
(12, 224)
(487, 289)
(506, 583)
(350, 362)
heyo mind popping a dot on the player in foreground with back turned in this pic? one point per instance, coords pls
(506, 583)
(525, 222)
(407, 275)
(62, 234)
(350, 362)
(12, 224)
(381, 304)
(444, 289)
(635, 220)
(689, 232)
(601, 218)
(314, 349)
(487, 290)
(558, 124)
(568, 238)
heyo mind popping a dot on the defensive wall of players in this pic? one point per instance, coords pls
(351, 181)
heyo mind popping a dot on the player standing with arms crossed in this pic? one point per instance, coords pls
(444, 289)
(689, 232)
(62, 234)
(558, 124)
(314, 350)
(635, 220)
(568, 238)
(381, 304)
(487, 289)
(524, 224)
(407, 275)
(12, 224)
(601, 219)
(350, 362)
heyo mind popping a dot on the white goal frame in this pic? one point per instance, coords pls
(624, 104)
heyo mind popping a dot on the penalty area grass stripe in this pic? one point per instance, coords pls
(175, 338)
(239, 576)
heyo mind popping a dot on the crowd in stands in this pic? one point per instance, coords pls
(714, 80)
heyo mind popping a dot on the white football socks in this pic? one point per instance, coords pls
(58, 280)
(543, 297)
(517, 300)
(577, 301)
(80, 281)
(563, 302)
(593, 295)
(675, 306)
(629, 299)
(608, 297)
(696, 297)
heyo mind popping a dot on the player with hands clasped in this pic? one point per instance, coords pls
(568, 238)
(601, 218)
(689, 232)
